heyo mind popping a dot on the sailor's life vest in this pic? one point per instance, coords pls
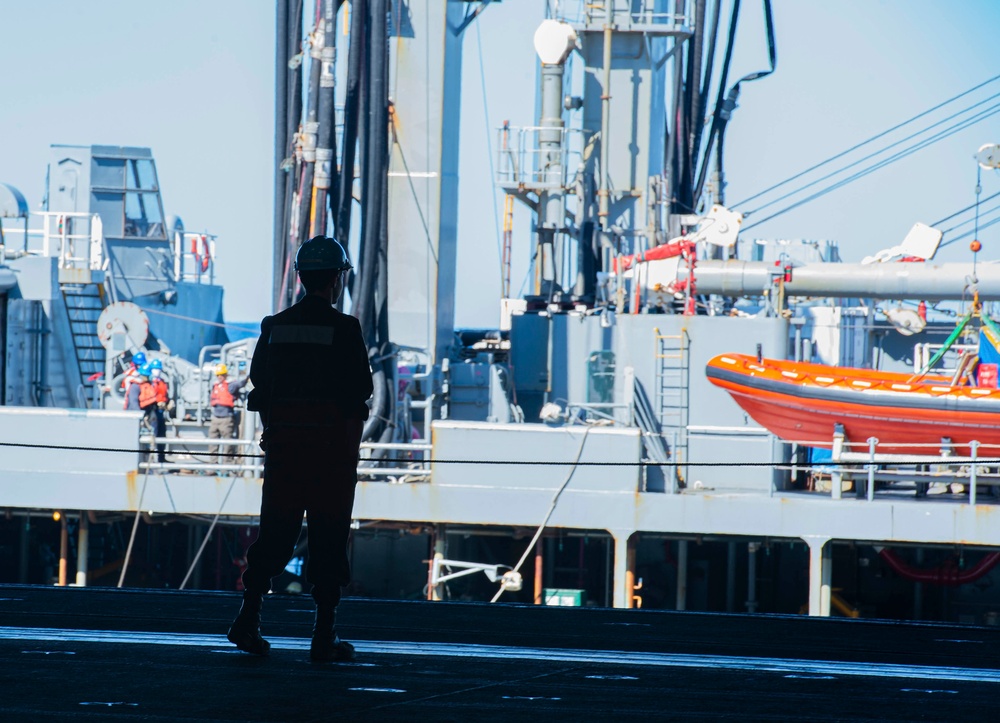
(221, 397)
(162, 392)
(147, 395)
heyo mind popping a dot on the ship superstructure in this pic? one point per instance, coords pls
(578, 452)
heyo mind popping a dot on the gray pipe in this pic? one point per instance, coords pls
(925, 281)
(550, 161)
(550, 170)
(604, 191)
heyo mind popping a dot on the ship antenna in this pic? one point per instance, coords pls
(976, 244)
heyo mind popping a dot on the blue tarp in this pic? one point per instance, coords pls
(988, 353)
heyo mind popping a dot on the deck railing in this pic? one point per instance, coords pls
(864, 467)
(188, 455)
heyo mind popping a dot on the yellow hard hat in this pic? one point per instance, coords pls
(222, 370)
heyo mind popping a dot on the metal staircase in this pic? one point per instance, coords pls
(76, 240)
(671, 400)
(84, 303)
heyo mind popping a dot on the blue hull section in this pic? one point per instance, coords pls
(194, 321)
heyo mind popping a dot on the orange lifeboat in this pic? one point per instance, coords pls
(801, 402)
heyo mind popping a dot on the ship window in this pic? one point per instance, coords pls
(141, 175)
(601, 377)
(108, 173)
(109, 205)
(142, 215)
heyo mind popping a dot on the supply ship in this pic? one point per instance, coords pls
(577, 454)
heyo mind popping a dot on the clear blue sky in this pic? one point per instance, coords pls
(194, 81)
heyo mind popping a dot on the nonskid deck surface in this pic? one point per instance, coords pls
(100, 654)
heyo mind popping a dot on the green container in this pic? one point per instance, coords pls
(563, 597)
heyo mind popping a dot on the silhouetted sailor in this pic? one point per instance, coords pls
(311, 381)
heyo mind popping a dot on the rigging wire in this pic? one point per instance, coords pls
(870, 156)
(958, 127)
(975, 232)
(203, 322)
(963, 210)
(979, 190)
(970, 220)
(208, 534)
(413, 190)
(548, 515)
(870, 140)
(135, 527)
(489, 152)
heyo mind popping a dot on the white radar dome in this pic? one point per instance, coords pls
(554, 41)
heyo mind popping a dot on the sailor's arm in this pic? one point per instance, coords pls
(261, 392)
(361, 372)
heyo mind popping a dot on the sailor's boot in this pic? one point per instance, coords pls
(244, 633)
(326, 646)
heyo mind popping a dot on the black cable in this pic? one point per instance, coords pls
(514, 463)
(280, 143)
(870, 140)
(719, 99)
(356, 64)
(699, 119)
(724, 113)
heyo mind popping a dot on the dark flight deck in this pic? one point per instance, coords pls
(143, 655)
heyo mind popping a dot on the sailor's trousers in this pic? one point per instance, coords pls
(309, 470)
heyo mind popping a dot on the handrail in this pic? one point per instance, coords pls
(254, 461)
(528, 164)
(974, 467)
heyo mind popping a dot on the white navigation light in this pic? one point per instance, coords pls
(988, 155)
(554, 41)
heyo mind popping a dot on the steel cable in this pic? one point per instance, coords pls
(872, 155)
(135, 527)
(972, 232)
(970, 220)
(870, 140)
(963, 210)
(204, 542)
(958, 127)
(548, 515)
